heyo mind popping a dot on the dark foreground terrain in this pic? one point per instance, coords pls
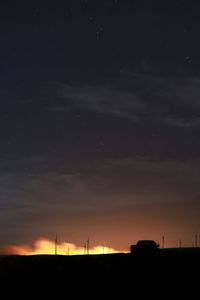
(171, 274)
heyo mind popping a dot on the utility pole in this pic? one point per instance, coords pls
(195, 240)
(88, 246)
(163, 241)
(56, 244)
(180, 243)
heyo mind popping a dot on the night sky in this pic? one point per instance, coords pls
(99, 121)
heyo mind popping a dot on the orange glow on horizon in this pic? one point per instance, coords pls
(45, 246)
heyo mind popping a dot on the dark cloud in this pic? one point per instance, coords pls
(47, 202)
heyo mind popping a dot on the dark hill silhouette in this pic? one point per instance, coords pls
(173, 274)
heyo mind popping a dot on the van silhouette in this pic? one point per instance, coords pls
(145, 247)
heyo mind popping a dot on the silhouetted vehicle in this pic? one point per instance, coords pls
(145, 247)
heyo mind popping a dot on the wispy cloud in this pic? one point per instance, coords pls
(174, 101)
(106, 182)
(100, 99)
(185, 123)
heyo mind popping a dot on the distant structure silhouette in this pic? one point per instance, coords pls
(88, 246)
(56, 245)
(163, 241)
(196, 240)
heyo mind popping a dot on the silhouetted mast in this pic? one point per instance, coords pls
(88, 246)
(195, 240)
(56, 244)
(180, 243)
(163, 241)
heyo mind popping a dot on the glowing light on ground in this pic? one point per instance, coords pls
(45, 246)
